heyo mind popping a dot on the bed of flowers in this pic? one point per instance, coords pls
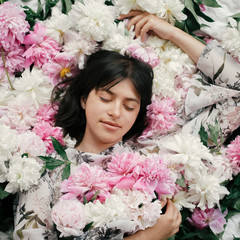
(40, 49)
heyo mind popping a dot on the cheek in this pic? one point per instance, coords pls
(131, 118)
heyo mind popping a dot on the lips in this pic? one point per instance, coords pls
(111, 124)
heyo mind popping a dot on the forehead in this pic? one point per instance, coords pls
(123, 87)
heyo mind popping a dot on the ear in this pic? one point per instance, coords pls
(83, 102)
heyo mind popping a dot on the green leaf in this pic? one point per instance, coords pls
(3, 194)
(201, 14)
(237, 205)
(189, 4)
(87, 227)
(181, 182)
(51, 163)
(237, 16)
(203, 135)
(24, 155)
(66, 172)
(95, 196)
(85, 201)
(59, 149)
(48, 6)
(209, 3)
(66, 6)
(214, 132)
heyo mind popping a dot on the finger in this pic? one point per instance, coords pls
(131, 14)
(140, 25)
(133, 21)
(163, 202)
(144, 30)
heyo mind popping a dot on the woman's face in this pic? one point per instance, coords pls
(109, 115)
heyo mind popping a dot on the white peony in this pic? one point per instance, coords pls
(8, 142)
(171, 10)
(144, 216)
(232, 229)
(22, 174)
(57, 25)
(120, 39)
(111, 210)
(93, 19)
(230, 40)
(181, 201)
(78, 47)
(206, 191)
(124, 6)
(33, 87)
(6, 94)
(189, 151)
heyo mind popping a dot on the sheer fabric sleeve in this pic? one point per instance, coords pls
(215, 96)
(33, 212)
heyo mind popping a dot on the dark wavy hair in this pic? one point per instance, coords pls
(103, 69)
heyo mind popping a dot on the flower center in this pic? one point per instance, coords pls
(65, 71)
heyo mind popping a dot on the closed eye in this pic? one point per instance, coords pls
(128, 108)
(104, 99)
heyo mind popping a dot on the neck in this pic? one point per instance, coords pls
(93, 147)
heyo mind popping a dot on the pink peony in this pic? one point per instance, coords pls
(145, 54)
(14, 60)
(46, 113)
(45, 130)
(61, 67)
(86, 181)
(41, 48)
(209, 217)
(154, 176)
(123, 169)
(69, 217)
(161, 115)
(233, 153)
(13, 25)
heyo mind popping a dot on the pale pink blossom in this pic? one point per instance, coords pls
(154, 176)
(233, 153)
(161, 115)
(145, 54)
(213, 218)
(46, 113)
(45, 130)
(20, 115)
(69, 217)
(85, 182)
(123, 169)
(41, 48)
(62, 66)
(13, 25)
(14, 61)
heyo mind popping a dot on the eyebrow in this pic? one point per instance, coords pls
(112, 93)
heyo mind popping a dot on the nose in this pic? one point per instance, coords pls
(114, 110)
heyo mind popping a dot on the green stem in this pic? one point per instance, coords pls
(6, 70)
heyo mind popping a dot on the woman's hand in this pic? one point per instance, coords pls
(145, 23)
(166, 226)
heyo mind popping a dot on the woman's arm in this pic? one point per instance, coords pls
(166, 226)
(145, 22)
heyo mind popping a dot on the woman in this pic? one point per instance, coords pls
(102, 107)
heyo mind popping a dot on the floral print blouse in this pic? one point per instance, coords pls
(216, 96)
